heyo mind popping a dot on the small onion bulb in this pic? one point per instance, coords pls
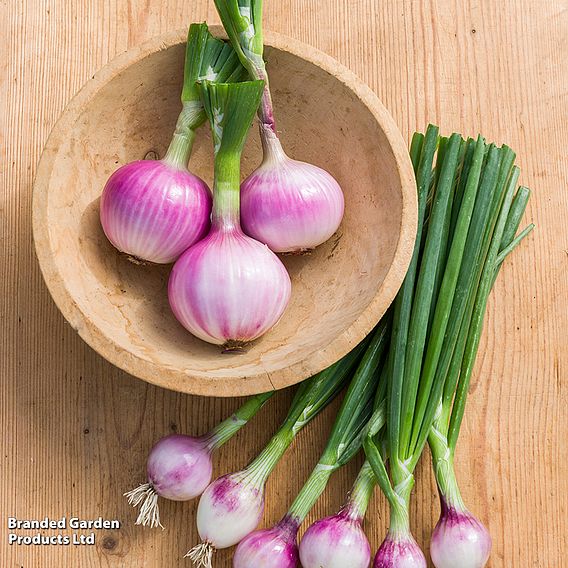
(229, 509)
(270, 548)
(459, 540)
(335, 542)
(178, 468)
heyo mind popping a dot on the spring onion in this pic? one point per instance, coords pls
(229, 289)
(153, 210)
(179, 467)
(459, 538)
(276, 547)
(339, 540)
(291, 206)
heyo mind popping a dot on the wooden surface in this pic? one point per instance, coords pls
(75, 430)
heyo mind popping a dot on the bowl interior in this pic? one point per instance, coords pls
(132, 116)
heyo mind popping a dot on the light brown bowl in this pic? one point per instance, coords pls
(327, 116)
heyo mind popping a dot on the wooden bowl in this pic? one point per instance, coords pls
(327, 116)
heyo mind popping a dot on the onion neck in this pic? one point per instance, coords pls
(288, 526)
(261, 467)
(181, 145)
(358, 501)
(310, 492)
(225, 430)
(399, 527)
(226, 191)
(443, 461)
(257, 70)
(271, 147)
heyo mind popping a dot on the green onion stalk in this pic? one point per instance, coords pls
(207, 59)
(276, 547)
(232, 506)
(464, 195)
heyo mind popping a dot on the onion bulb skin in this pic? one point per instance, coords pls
(289, 205)
(459, 540)
(335, 542)
(270, 548)
(399, 552)
(229, 509)
(179, 467)
(153, 210)
(228, 289)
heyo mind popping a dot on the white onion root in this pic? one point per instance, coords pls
(146, 497)
(201, 555)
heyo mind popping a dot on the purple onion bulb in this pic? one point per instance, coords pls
(179, 468)
(290, 205)
(269, 548)
(399, 552)
(335, 542)
(153, 210)
(228, 289)
(459, 540)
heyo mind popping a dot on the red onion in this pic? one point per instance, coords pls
(179, 467)
(291, 206)
(153, 210)
(335, 542)
(269, 548)
(399, 551)
(459, 540)
(229, 289)
(229, 509)
(339, 541)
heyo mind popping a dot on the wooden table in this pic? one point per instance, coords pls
(76, 431)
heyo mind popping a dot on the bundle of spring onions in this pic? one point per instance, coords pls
(468, 215)
(153, 210)
(179, 467)
(232, 506)
(276, 547)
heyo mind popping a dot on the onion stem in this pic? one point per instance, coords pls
(361, 493)
(226, 429)
(207, 58)
(243, 23)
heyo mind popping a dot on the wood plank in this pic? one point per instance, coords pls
(76, 430)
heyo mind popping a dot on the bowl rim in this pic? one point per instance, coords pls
(174, 378)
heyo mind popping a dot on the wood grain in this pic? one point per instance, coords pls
(75, 430)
